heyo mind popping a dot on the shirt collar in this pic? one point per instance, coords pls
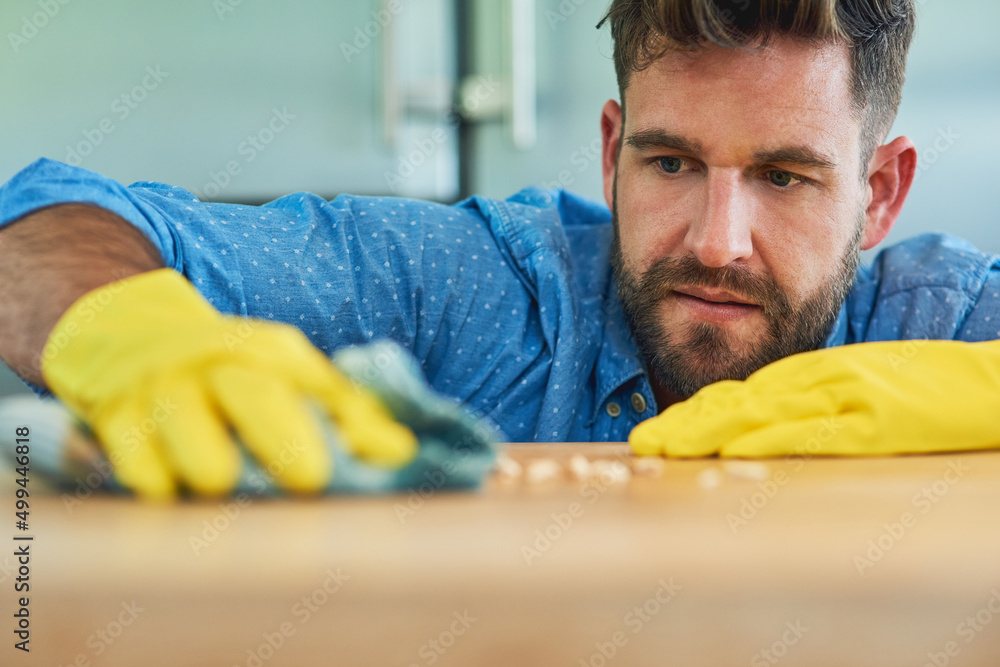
(618, 360)
(838, 334)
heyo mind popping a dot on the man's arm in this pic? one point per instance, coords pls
(51, 257)
(160, 376)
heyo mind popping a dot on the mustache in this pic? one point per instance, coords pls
(659, 280)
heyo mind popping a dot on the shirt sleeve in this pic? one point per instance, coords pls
(983, 323)
(932, 286)
(432, 277)
(46, 183)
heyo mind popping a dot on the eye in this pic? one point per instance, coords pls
(672, 165)
(782, 179)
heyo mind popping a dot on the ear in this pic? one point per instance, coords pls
(890, 176)
(611, 127)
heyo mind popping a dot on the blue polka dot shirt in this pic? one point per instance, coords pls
(508, 305)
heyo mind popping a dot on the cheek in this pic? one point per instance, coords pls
(651, 222)
(803, 252)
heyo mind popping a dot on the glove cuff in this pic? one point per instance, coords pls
(110, 325)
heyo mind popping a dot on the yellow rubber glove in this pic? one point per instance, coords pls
(866, 399)
(161, 377)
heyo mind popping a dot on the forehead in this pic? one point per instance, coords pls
(732, 101)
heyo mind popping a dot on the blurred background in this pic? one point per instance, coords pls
(248, 100)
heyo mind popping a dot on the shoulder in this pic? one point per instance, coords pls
(927, 286)
(536, 218)
(148, 206)
(932, 260)
(546, 233)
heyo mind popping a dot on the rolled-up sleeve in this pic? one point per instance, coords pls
(46, 183)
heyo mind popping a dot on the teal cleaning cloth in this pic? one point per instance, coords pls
(456, 447)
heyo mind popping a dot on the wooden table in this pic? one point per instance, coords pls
(833, 562)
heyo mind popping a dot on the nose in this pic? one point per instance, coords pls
(719, 232)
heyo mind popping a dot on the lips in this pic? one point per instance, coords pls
(715, 306)
(715, 296)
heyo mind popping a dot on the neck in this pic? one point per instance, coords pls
(664, 397)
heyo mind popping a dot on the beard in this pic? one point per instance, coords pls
(683, 364)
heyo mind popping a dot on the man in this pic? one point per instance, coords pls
(745, 171)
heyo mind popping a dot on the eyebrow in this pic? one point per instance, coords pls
(800, 155)
(645, 140)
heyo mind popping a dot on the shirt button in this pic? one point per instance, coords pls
(614, 409)
(638, 402)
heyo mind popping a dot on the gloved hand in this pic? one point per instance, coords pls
(160, 376)
(865, 399)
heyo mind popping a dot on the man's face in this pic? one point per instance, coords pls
(739, 202)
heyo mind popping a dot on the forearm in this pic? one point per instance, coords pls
(48, 259)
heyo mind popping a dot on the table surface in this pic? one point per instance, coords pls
(882, 561)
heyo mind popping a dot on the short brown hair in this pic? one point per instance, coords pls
(878, 33)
